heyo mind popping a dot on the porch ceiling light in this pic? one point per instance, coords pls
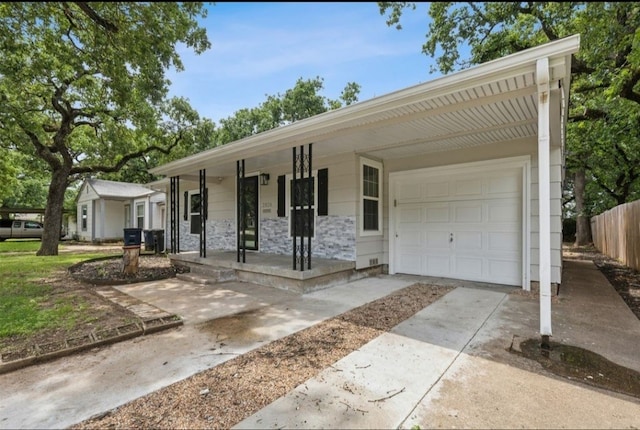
(264, 179)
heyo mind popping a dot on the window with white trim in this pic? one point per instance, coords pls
(127, 216)
(139, 215)
(83, 217)
(371, 197)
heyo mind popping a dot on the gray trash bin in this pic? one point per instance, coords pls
(158, 237)
(148, 240)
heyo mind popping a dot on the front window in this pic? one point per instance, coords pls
(140, 215)
(195, 214)
(371, 193)
(83, 217)
(127, 216)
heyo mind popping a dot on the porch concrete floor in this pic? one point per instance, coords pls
(265, 263)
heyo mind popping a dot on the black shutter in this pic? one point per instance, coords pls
(281, 196)
(323, 192)
(186, 206)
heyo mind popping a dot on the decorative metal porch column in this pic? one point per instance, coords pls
(204, 209)
(241, 239)
(175, 228)
(302, 208)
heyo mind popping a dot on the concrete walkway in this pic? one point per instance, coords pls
(378, 385)
(447, 366)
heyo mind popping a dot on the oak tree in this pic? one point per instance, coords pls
(83, 87)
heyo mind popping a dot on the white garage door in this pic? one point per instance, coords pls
(463, 225)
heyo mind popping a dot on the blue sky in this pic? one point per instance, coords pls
(261, 49)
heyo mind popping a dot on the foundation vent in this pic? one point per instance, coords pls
(373, 262)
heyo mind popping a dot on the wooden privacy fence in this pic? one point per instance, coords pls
(616, 233)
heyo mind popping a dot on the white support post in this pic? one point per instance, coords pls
(544, 186)
(103, 218)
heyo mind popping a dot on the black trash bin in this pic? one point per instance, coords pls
(132, 236)
(158, 237)
(148, 240)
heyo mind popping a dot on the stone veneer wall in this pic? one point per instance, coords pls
(221, 235)
(335, 237)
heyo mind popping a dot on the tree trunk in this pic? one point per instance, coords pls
(583, 223)
(53, 213)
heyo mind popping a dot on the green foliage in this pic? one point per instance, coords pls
(22, 296)
(83, 87)
(302, 101)
(603, 134)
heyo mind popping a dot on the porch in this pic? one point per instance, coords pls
(272, 270)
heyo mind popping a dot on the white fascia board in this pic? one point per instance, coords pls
(283, 137)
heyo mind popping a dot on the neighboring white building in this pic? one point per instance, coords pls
(106, 208)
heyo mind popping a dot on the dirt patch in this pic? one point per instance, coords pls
(584, 366)
(108, 270)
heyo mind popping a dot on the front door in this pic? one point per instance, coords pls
(249, 223)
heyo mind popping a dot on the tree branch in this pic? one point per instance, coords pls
(84, 7)
(588, 115)
(116, 167)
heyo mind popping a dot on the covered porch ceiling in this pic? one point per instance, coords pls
(490, 103)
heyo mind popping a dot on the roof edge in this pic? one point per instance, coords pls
(486, 71)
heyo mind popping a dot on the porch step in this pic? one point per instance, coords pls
(200, 280)
(206, 275)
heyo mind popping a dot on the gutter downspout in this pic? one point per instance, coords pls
(544, 184)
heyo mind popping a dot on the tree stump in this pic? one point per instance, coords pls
(130, 259)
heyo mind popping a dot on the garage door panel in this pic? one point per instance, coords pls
(500, 211)
(506, 270)
(505, 184)
(466, 188)
(436, 190)
(437, 214)
(410, 263)
(468, 240)
(410, 192)
(437, 265)
(437, 240)
(412, 239)
(469, 267)
(468, 213)
(411, 215)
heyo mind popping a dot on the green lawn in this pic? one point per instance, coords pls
(24, 245)
(26, 303)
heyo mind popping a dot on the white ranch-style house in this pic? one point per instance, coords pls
(460, 177)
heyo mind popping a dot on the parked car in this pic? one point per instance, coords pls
(18, 229)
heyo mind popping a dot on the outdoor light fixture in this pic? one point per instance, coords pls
(264, 179)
